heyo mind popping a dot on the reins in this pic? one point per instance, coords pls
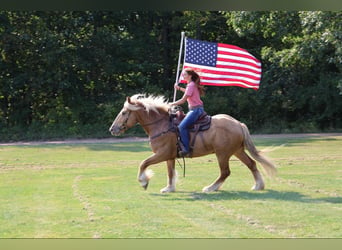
(159, 134)
(181, 165)
(151, 123)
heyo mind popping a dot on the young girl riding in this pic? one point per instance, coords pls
(192, 95)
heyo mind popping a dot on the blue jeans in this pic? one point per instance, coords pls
(190, 118)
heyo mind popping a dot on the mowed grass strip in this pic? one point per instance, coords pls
(91, 191)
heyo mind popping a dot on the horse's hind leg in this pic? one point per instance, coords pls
(224, 173)
(172, 176)
(251, 164)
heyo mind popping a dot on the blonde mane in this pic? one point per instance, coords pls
(151, 103)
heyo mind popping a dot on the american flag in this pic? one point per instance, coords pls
(221, 64)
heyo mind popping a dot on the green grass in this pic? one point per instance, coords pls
(91, 191)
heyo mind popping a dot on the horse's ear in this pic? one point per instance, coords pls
(129, 100)
(141, 104)
(138, 103)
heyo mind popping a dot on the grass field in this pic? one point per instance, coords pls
(91, 191)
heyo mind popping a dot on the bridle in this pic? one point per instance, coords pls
(124, 124)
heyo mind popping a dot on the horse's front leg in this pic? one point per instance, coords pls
(172, 176)
(145, 175)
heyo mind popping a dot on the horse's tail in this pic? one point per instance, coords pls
(266, 163)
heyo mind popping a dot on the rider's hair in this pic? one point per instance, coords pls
(197, 80)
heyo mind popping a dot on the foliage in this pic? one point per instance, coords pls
(67, 73)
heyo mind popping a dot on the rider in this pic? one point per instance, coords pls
(192, 94)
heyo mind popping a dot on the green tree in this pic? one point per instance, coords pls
(67, 73)
(300, 52)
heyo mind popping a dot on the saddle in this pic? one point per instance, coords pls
(177, 115)
(203, 122)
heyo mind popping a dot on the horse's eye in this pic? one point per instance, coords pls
(123, 113)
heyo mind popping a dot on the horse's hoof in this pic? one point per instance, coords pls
(167, 190)
(258, 187)
(145, 186)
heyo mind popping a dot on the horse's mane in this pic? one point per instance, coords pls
(150, 103)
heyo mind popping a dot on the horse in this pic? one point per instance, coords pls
(225, 137)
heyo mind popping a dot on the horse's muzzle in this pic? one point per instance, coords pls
(116, 131)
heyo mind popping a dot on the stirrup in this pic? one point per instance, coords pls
(184, 153)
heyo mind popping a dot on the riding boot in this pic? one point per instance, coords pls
(182, 152)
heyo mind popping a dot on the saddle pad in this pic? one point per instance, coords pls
(202, 124)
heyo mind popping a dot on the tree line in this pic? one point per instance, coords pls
(67, 73)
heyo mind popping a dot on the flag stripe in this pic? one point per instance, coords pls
(237, 56)
(227, 72)
(229, 79)
(238, 84)
(221, 64)
(225, 69)
(230, 76)
(246, 65)
(207, 77)
(236, 52)
(239, 59)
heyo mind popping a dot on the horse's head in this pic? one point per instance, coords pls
(139, 109)
(126, 118)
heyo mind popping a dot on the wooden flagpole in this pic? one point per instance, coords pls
(179, 59)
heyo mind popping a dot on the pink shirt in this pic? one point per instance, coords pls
(193, 95)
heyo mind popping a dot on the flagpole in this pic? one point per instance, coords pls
(179, 59)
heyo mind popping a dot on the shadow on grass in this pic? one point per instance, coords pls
(244, 195)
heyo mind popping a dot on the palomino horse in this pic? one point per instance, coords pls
(226, 137)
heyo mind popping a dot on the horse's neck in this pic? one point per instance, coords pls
(153, 122)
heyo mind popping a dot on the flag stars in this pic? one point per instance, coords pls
(202, 53)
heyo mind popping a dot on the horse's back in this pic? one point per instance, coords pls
(225, 134)
(227, 123)
(225, 116)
